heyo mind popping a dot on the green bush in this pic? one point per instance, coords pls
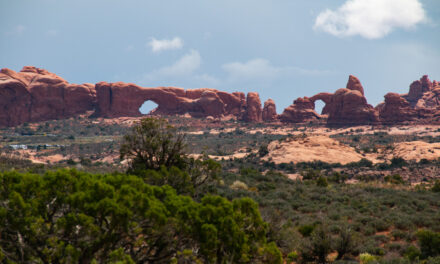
(306, 230)
(429, 243)
(79, 217)
(436, 187)
(321, 182)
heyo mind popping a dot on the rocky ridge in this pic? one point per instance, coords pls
(34, 95)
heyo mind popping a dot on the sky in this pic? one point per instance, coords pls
(282, 49)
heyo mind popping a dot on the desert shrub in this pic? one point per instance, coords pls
(311, 174)
(263, 151)
(366, 258)
(412, 253)
(345, 243)
(394, 179)
(429, 243)
(238, 185)
(398, 162)
(321, 182)
(436, 186)
(359, 164)
(318, 246)
(306, 230)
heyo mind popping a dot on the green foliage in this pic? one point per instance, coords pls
(362, 163)
(398, 162)
(429, 242)
(153, 143)
(306, 230)
(318, 247)
(436, 187)
(263, 151)
(412, 253)
(338, 177)
(156, 153)
(321, 182)
(73, 217)
(345, 243)
(394, 179)
(366, 258)
(292, 256)
(311, 174)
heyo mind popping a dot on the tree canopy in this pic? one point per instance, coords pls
(75, 217)
(153, 143)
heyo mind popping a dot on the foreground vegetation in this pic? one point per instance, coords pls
(166, 207)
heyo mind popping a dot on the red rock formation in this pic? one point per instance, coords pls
(302, 110)
(326, 98)
(355, 85)
(417, 89)
(350, 107)
(269, 111)
(253, 108)
(35, 94)
(395, 109)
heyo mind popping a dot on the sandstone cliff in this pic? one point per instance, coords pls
(34, 94)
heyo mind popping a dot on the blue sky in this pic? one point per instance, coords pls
(282, 49)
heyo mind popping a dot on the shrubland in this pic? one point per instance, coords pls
(165, 206)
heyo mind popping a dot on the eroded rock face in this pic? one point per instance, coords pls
(326, 98)
(350, 107)
(417, 89)
(35, 94)
(253, 108)
(124, 99)
(395, 109)
(355, 85)
(347, 106)
(420, 105)
(302, 110)
(269, 111)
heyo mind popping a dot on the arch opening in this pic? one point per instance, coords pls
(319, 105)
(147, 107)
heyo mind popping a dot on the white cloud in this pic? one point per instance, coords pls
(262, 69)
(256, 68)
(158, 45)
(185, 66)
(371, 19)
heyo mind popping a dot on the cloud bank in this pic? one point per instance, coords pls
(371, 19)
(185, 66)
(262, 69)
(158, 45)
